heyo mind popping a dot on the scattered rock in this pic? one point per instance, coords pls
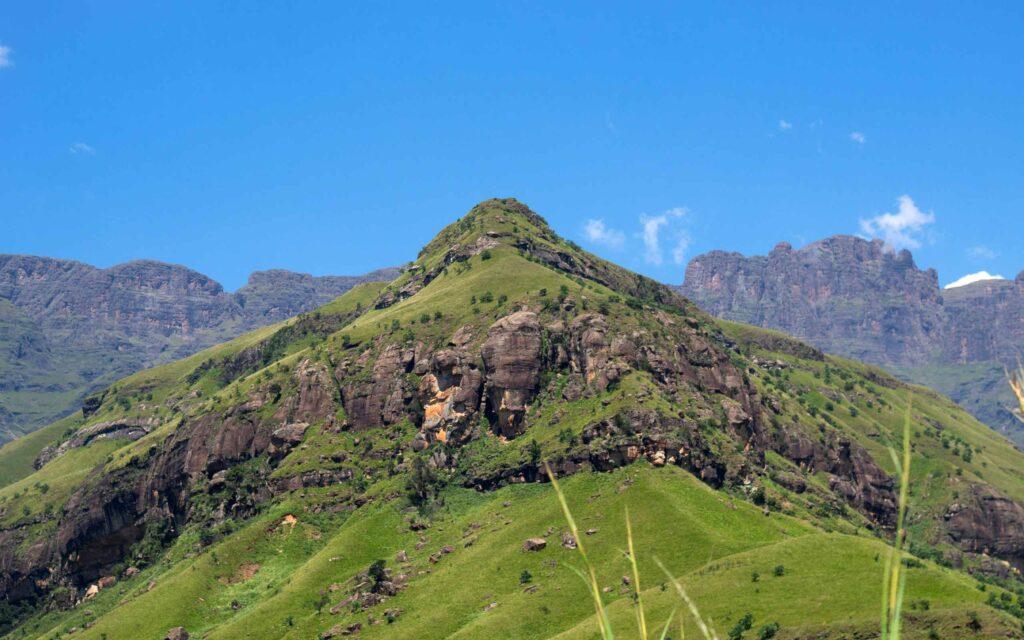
(534, 544)
(568, 540)
(177, 633)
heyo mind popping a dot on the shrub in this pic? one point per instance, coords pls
(486, 254)
(487, 297)
(742, 626)
(377, 573)
(779, 571)
(768, 631)
(525, 577)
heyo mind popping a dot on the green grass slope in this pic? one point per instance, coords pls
(829, 587)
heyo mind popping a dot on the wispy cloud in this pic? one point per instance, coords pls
(899, 230)
(596, 231)
(981, 252)
(80, 149)
(785, 126)
(610, 124)
(651, 230)
(971, 278)
(5, 56)
(858, 137)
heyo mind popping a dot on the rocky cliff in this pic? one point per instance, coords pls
(856, 298)
(67, 328)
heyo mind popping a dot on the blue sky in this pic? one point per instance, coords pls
(339, 137)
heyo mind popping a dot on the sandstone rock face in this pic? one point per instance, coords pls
(512, 356)
(68, 326)
(858, 299)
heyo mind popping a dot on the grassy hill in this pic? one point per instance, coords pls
(253, 489)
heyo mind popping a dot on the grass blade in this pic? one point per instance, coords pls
(595, 590)
(641, 620)
(664, 632)
(705, 628)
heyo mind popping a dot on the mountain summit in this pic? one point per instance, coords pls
(375, 467)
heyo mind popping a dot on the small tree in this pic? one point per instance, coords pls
(779, 571)
(525, 577)
(535, 452)
(377, 573)
(486, 255)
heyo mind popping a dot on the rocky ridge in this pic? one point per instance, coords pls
(67, 328)
(856, 298)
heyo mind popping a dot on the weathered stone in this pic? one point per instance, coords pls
(534, 544)
(177, 633)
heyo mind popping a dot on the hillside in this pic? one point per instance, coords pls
(373, 468)
(856, 298)
(68, 329)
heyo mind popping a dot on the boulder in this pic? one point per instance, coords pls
(534, 544)
(177, 633)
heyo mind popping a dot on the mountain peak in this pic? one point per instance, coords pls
(506, 224)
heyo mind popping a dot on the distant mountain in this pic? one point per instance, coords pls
(856, 298)
(68, 328)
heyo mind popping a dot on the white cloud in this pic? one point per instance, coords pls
(785, 126)
(981, 252)
(679, 251)
(899, 230)
(858, 137)
(596, 231)
(5, 56)
(973, 277)
(80, 148)
(651, 234)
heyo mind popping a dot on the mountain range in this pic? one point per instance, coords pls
(376, 468)
(68, 328)
(860, 299)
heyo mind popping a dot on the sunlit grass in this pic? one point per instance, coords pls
(590, 578)
(894, 575)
